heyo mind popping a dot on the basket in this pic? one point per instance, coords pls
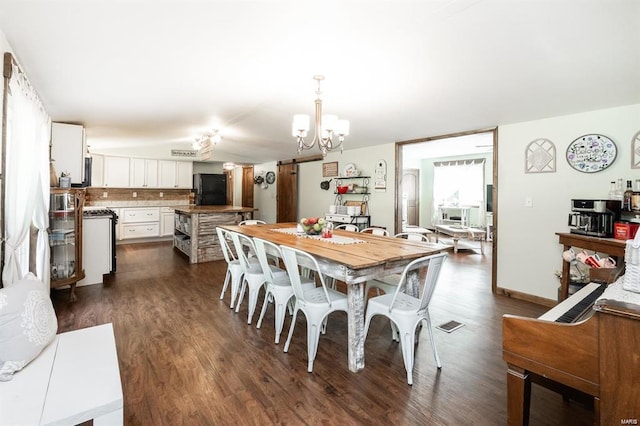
(631, 281)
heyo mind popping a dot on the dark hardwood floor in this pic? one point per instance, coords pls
(186, 358)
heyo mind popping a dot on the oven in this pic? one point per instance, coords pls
(99, 243)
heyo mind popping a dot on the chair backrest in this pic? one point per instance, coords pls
(433, 264)
(262, 247)
(293, 259)
(252, 222)
(228, 254)
(376, 231)
(241, 243)
(412, 236)
(347, 227)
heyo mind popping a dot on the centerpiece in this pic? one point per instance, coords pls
(312, 225)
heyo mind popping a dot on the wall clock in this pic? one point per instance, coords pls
(270, 177)
(591, 153)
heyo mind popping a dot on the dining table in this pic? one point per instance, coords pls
(350, 257)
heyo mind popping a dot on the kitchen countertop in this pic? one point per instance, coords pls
(192, 209)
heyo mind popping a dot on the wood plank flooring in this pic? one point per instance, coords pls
(186, 358)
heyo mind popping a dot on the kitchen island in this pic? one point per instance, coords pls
(195, 229)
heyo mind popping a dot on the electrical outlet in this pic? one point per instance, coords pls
(105, 194)
(528, 202)
(161, 194)
(135, 194)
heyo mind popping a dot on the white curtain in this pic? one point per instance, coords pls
(459, 184)
(27, 180)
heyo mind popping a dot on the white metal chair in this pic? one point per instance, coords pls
(316, 304)
(252, 222)
(278, 285)
(406, 311)
(388, 283)
(376, 231)
(252, 277)
(234, 269)
(347, 227)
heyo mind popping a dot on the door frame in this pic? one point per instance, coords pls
(398, 189)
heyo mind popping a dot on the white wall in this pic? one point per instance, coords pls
(528, 250)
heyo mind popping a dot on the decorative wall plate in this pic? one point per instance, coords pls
(591, 153)
(270, 177)
(349, 170)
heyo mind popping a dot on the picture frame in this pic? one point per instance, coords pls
(330, 169)
(635, 151)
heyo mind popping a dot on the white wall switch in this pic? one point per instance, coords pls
(161, 194)
(528, 202)
(105, 194)
(135, 194)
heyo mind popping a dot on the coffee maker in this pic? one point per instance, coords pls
(594, 217)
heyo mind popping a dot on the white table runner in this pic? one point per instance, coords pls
(336, 239)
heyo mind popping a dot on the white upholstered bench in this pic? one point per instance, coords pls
(76, 378)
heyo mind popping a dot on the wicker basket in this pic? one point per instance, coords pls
(632, 259)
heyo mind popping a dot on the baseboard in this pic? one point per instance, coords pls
(526, 297)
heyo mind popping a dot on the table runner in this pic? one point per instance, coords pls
(336, 239)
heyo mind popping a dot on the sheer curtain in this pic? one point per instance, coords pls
(459, 184)
(27, 180)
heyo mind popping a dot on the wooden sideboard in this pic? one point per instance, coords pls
(610, 246)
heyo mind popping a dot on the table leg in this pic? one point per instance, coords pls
(455, 244)
(355, 317)
(482, 245)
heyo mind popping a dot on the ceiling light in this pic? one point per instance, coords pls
(228, 166)
(205, 142)
(326, 127)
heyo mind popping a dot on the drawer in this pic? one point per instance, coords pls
(140, 230)
(136, 215)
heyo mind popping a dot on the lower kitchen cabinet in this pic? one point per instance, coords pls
(140, 230)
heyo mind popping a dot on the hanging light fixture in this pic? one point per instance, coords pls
(228, 166)
(326, 127)
(206, 141)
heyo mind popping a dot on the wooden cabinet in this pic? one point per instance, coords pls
(65, 237)
(67, 150)
(116, 172)
(175, 174)
(143, 173)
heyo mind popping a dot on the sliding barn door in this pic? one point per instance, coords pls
(287, 193)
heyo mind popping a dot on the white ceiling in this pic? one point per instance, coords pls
(152, 75)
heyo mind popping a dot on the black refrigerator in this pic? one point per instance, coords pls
(210, 189)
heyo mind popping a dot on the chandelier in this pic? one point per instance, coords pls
(326, 127)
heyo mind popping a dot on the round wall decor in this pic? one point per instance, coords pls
(270, 177)
(591, 153)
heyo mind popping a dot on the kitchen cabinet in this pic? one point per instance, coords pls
(65, 237)
(97, 170)
(175, 174)
(167, 222)
(140, 222)
(116, 172)
(68, 148)
(143, 173)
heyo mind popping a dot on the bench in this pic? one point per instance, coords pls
(76, 378)
(457, 232)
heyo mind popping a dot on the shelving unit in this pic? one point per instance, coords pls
(65, 237)
(360, 189)
(182, 234)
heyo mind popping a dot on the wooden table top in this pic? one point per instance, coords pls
(375, 250)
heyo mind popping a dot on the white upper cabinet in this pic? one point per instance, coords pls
(175, 174)
(97, 170)
(116, 172)
(68, 149)
(143, 173)
(184, 174)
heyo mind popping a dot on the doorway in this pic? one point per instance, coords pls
(418, 154)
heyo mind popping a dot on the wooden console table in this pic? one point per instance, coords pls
(610, 246)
